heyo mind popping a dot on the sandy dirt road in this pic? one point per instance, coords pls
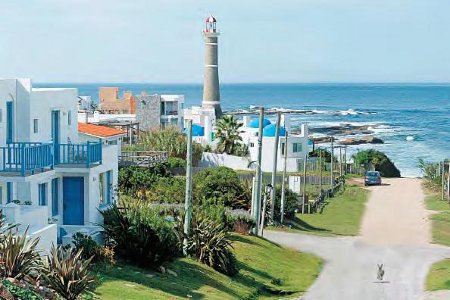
(394, 232)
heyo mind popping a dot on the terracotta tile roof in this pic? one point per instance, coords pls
(98, 130)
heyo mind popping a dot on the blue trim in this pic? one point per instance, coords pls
(42, 194)
(55, 196)
(55, 134)
(9, 192)
(9, 122)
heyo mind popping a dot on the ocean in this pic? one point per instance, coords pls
(413, 120)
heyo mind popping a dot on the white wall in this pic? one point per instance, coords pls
(43, 102)
(218, 160)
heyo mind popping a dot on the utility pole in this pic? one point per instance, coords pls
(340, 161)
(305, 163)
(442, 170)
(332, 162)
(345, 160)
(283, 183)
(320, 168)
(257, 200)
(275, 165)
(188, 197)
(448, 181)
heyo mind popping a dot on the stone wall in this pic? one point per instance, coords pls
(148, 112)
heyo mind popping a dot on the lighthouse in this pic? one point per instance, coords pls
(211, 92)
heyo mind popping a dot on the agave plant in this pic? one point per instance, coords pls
(4, 227)
(18, 255)
(67, 273)
(209, 243)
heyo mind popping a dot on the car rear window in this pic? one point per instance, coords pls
(372, 173)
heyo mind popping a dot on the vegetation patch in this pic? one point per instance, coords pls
(439, 276)
(341, 215)
(267, 271)
(377, 160)
(440, 220)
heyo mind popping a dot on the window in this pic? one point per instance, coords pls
(296, 147)
(282, 149)
(55, 196)
(42, 194)
(35, 125)
(69, 118)
(105, 188)
(252, 145)
(9, 192)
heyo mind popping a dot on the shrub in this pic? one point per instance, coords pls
(223, 184)
(91, 250)
(19, 292)
(170, 140)
(168, 190)
(176, 162)
(431, 171)
(209, 243)
(136, 180)
(67, 273)
(141, 234)
(18, 255)
(290, 203)
(240, 222)
(377, 160)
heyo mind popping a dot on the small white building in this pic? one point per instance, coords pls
(203, 122)
(52, 178)
(297, 144)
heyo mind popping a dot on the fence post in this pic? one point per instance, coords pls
(22, 154)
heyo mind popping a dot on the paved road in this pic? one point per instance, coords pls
(395, 232)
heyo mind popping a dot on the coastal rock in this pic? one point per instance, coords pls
(321, 140)
(360, 141)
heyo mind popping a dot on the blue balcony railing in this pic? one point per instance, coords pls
(26, 158)
(80, 154)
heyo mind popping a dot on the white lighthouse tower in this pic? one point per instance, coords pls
(211, 91)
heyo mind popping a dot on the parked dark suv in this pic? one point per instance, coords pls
(372, 178)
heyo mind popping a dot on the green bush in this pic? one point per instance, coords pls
(223, 184)
(378, 160)
(168, 190)
(92, 250)
(19, 292)
(176, 162)
(170, 140)
(290, 204)
(240, 222)
(135, 181)
(141, 234)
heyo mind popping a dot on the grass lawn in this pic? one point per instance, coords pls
(341, 215)
(439, 276)
(267, 271)
(440, 221)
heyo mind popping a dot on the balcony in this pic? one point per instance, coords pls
(26, 158)
(29, 158)
(88, 154)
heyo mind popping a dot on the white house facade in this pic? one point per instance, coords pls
(53, 178)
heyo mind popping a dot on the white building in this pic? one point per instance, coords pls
(203, 122)
(297, 144)
(52, 178)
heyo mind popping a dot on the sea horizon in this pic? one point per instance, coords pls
(390, 110)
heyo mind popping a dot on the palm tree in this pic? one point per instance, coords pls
(228, 131)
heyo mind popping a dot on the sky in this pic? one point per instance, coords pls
(160, 41)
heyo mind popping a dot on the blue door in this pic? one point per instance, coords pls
(73, 201)
(42, 194)
(9, 122)
(55, 134)
(9, 192)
